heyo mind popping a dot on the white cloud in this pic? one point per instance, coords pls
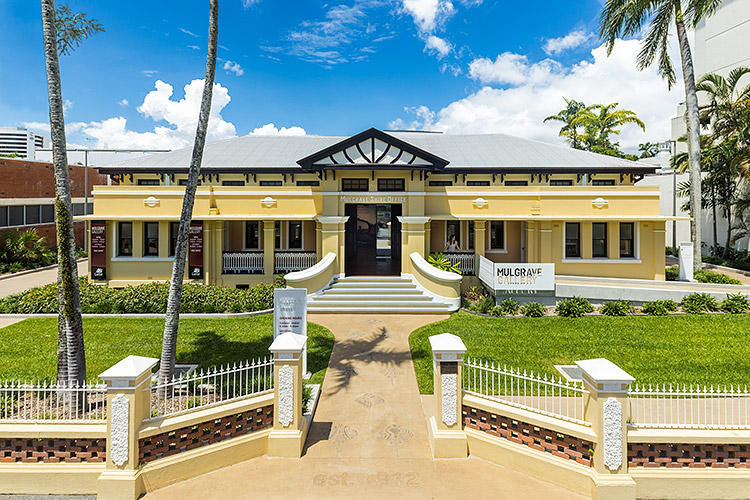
(44, 126)
(124, 103)
(188, 32)
(438, 45)
(270, 129)
(194, 47)
(249, 3)
(149, 72)
(235, 68)
(536, 90)
(572, 40)
(428, 14)
(67, 105)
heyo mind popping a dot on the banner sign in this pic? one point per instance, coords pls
(290, 315)
(517, 277)
(98, 250)
(195, 251)
(373, 198)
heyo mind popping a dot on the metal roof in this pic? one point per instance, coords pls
(465, 152)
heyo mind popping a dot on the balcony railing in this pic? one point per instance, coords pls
(465, 261)
(243, 262)
(286, 262)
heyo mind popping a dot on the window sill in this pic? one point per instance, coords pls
(496, 250)
(141, 259)
(601, 260)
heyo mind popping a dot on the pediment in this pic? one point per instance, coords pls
(373, 148)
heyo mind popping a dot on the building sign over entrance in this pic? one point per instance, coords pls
(290, 315)
(98, 250)
(517, 277)
(195, 251)
(372, 198)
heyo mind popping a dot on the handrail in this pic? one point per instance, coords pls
(443, 286)
(313, 278)
(432, 271)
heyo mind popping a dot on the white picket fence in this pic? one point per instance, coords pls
(544, 394)
(690, 407)
(286, 262)
(211, 386)
(465, 261)
(29, 401)
(243, 262)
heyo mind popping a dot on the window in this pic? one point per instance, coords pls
(151, 238)
(516, 183)
(470, 244)
(295, 234)
(627, 239)
(78, 208)
(391, 185)
(277, 235)
(252, 234)
(572, 239)
(32, 214)
(477, 183)
(497, 235)
(125, 243)
(174, 228)
(453, 228)
(148, 182)
(15, 216)
(603, 182)
(48, 213)
(3, 216)
(561, 182)
(441, 183)
(232, 183)
(308, 183)
(270, 183)
(183, 182)
(599, 239)
(355, 185)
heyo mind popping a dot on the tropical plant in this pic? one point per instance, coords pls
(533, 310)
(26, 248)
(699, 303)
(628, 18)
(648, 149)
(62, 31)
(617, 308)
(510, 306)
(600, 122)
(442, 262)
(172, 316)
(574, 307)
(659, 307)
(568, 115)
(735, 303)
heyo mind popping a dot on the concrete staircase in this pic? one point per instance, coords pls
(374, 294)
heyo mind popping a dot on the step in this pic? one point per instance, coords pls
(379, 309)
(370, 284)
(367, 299)
(373, 278)
(374, 291)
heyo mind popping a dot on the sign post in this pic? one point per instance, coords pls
(290, 315)
(98, 250)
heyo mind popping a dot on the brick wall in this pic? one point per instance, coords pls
(35, 179)
(693, 456)
(52, 450)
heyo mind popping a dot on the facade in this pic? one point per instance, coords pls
(17, 140)
(271, 205)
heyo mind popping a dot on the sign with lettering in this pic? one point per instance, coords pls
(373, 198)
(290, 315)
(98, 250)
(195, 251)
(517, 277)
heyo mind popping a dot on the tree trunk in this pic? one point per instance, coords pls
(692, 120)
(729, 230)
(72, 366)
(172, 319)
(713, 212)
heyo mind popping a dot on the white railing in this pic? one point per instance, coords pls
(211, 386)
(543, 394)
(243, 262)
(465, 261)
(52, 401)
(690, 407)
(287, 262)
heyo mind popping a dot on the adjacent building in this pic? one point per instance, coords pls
(19, 141)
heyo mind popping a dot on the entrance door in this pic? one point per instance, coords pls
(373, 240)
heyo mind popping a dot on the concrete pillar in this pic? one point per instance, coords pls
(269, 246)
(606, 409)
(333, 239)
(480, 242)
(445, 430)
(218, 250)
(659, 256)
(531, 242)
(413, 239)
(128, 404)
(545, 244)
(288, 435)
(318, 241)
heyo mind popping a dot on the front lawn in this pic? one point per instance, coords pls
(28, 349)
(706, 349)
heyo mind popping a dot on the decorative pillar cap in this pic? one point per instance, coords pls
(288, 343)
(129, 369)
(447, 344)
(605, 376)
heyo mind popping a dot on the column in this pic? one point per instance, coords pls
(207, 252)
(531, 242)
(289, 429)
(412, 239)
(480, 241)
(606, 409)
(545, 243)
(128, 404)
(333, 240)
(217, 246)
(269, 245)
(659, 243)
(318, 241)
(445, 429)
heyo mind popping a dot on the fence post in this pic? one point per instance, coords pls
(287, 437)
(606, 409)
(128, 404)
(446, 432)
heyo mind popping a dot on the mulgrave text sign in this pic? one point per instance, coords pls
(517, 277)
(290, 314)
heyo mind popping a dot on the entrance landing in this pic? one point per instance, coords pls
(369, 436)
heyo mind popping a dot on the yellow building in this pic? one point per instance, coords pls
(379, 203)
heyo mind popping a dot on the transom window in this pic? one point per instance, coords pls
(270, 183)
(560, 182)
(497, 235)
(355, 185)
(603, 182)
(391, 185)
(516, 183)
(148, 182)
(125, 235)
(572, 239)
(477, 183)
(441, 183)
(308, 183)
(627, 239)
(183, 182)
(232, 183)
(151, 238)
(599, 239)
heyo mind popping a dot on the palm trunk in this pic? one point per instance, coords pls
(172, 319)
(692, 120)
(729, 230)
(71, 366)
(715, 222)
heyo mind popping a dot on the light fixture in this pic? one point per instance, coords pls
(480, 203)
(268, 202)
(151, 201)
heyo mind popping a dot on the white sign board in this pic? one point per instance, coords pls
(517, 277)
(290, 315)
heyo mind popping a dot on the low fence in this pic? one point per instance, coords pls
(464, 260)
(286, 262)
(243, 262)
(29, 401)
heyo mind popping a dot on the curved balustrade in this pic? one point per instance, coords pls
(316, 277)
(444, 286)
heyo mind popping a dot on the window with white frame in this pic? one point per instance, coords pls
(295, 234)
(125, 239)
(627, 239)
(572, 239)
(497, 235)
(599, 239)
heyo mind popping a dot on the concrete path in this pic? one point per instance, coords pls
(27, 281)
(369, 435)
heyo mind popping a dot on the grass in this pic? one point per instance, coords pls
(28, 350)
(684, 349)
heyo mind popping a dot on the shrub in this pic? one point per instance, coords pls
(442, 262)
(704, 276)
(659, 307)
(496, 311)
(486, 305)
(669, 251)
(474, 294)
(574, 307)
(735, 303)
(510, 306)
(616, 308)
(306, 397)
(699, 303)
(672, 273)
(533, 310)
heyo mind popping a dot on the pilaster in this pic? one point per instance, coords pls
(445, 429)
(332, 239)
(288, 435)
(269, 247)
(480, 241)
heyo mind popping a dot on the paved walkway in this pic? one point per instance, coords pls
(18, 284)
(369, 435)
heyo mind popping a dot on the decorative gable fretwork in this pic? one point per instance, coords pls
(375, 149)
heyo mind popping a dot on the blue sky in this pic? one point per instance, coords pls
(327, 68)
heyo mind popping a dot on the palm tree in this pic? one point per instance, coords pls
(567, 115)
(624, 18)
(729, 105)
(648, 149)
(600, 122)
(72, 29)
(172, 319)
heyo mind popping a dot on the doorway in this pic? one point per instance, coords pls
(373, 240)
